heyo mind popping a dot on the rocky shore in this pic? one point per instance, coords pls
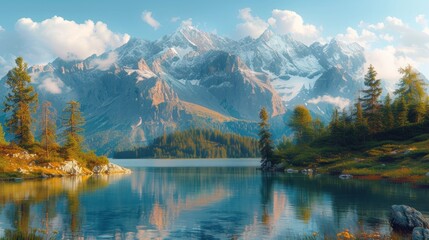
(25, 166)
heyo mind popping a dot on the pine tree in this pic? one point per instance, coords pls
(370, 100)
(412, 89)
(265, 143)
(73, 122)
(361, 125)
(2, 138)
(301, 123)
(47, 125)
(21, 102)
(401, 113)
(389, 120)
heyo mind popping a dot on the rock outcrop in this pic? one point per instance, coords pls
(110, 168)
(72, 167)
(404, 218)
(420, 233)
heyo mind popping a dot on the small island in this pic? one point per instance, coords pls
(25, 157)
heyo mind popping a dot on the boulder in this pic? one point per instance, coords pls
(345, 176)
(420, 233)
(405, 218)
(72, 167)
(290, 170)
(110, 168)
(427, 174)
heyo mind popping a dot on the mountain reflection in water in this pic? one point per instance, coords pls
(200, 203)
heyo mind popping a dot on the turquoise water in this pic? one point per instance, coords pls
(201, 199)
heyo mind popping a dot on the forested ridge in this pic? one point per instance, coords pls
(195, 143)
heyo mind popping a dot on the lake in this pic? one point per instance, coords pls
(201, 199)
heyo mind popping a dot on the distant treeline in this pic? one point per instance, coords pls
(196, 143)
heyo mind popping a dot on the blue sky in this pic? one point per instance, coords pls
(393, 30)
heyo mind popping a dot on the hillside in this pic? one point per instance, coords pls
(196, 143)
(194, 79)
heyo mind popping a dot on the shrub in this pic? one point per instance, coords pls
(91, 160)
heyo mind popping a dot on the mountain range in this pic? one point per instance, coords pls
(192, 78)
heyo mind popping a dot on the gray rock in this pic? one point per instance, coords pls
(290, 170)
(110, 168)
(345, 176)
(420, 233)
(72, 167)
(427, 174)
(404, 218)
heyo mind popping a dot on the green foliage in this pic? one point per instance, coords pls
(91, 159)
(21, 102)
(2, 139)
(370, 100)
(195, 143)
(48, 126)
(266, 147)
(73, 122)
(302, 124)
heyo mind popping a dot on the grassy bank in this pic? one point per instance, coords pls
(402, 160)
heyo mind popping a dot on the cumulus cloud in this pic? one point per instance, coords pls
(339, 102)
(1, 29)
(41, 42)
(52, 85)
(187, 22)
(363, 38)
(252, 26)
(147, 18)
(392, 44)
(104, 64)
(421, 19)
(280, 21)
(290, 22)
(175, 19)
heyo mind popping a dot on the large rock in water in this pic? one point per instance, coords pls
(72, 167)
(420, 233)
(110, 168)
(404, 218)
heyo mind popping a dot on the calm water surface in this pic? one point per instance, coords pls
(201, 199)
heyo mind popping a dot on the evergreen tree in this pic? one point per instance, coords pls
(361, 125)
(2, 138)
(389, 120)
(318, 128)
(370, 100)
(412, 89)
(73, 122)
(265, 142)
(401, 113)
(21, 102)
(47, 125)
(301, 123)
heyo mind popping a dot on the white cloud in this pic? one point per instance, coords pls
(290, 22)
(377, 26)
(41, 42)
(351, 36)
(421, 19)
(147, 17)
(387, 37)
(52, 85)
(336, 101)
(175, 19)
(104, 64)
(252, 26)
(187, 22)
(395, 21)
(1, 29)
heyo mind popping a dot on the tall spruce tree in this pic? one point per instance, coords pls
(401, 109)
(73, 123)
(2, 138)
(21, 102)
(370, 100)
(389, 120)
(48, 128)
(265, 142)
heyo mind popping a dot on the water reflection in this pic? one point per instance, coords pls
(201, 203)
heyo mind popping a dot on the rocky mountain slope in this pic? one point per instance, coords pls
(196, 79)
